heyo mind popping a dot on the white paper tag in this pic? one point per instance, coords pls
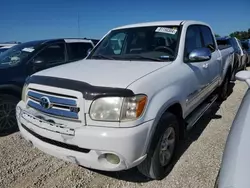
(166, 30)
(28, 49)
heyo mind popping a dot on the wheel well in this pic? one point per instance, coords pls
(176, 109)
(229, 71)
(10, 91)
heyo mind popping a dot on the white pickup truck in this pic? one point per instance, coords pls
(131, 100)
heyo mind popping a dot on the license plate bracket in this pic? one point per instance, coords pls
(43, 124)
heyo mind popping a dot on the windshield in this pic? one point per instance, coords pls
(16, 54)
(154, 43)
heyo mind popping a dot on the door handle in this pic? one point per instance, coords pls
(205, 65)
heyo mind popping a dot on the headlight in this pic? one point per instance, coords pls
(118, 108)
(24, 94)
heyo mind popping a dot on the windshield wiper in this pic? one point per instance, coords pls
(140, 56)
(167, 57)
(100, 56)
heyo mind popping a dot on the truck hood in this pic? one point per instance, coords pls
(107, 73)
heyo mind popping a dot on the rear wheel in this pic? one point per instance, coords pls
(8, 113)
(233, 78)
(224, 89)
(244, 66)
(159, 160)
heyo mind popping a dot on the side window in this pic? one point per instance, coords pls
(113, 45)
(208, 38)
(117, 43)
(192, 41)
(54, 53)
(78, 50)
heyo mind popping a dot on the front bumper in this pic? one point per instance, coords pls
(88, 146)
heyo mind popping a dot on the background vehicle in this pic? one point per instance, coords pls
(244, 55)
(246, 48)
(5, 47)
(235, 163)
(239, 59)
(6, 44)
(155, 80)
(27, 58)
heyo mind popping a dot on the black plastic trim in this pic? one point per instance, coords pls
(89, 92)
(56, 143)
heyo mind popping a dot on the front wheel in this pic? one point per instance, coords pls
(159, 160)
(8, 113)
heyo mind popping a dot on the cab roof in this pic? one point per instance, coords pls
(159, 23)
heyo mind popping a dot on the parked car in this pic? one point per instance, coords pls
(131, 100)
(6, 47)
(27, 58)
(246, 48)
(244, 56)
(239, 57)
(9, 44)
(235, 170)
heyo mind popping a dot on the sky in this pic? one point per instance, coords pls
(25, 20)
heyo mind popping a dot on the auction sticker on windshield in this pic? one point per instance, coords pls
(166, 30)
(28, 49)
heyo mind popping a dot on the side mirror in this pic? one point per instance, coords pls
(38, 61)
(243, 76)
(200, 54)
(38, 64)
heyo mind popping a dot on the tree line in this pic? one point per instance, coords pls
(241, 35)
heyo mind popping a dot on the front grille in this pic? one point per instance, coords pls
(58, 105)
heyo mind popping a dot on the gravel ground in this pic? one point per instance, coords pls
(197, 165)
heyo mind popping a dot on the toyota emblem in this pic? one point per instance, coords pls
(45, 102)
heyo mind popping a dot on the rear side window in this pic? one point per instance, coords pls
(193, 40)
(78, 50)
(54, 53)
(223, 42)
(208, 38)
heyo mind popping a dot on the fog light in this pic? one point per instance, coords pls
(112, 158)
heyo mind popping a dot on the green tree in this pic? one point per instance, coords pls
(216, 35)
(241, 35)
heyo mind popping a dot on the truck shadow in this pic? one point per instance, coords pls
(133, 175)
(9, 131)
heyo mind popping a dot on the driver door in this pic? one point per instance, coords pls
(198, 72)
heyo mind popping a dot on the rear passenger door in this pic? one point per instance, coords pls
(78, 50)
(214, 66)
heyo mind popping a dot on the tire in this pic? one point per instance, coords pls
(233, 78)
(8, 121)
(155, 166)
(245, 66)
(223, 91)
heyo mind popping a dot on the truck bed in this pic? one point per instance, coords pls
(223, 46)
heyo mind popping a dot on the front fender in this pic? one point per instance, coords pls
(159, 104)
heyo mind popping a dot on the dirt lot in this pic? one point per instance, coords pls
(197, 165)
